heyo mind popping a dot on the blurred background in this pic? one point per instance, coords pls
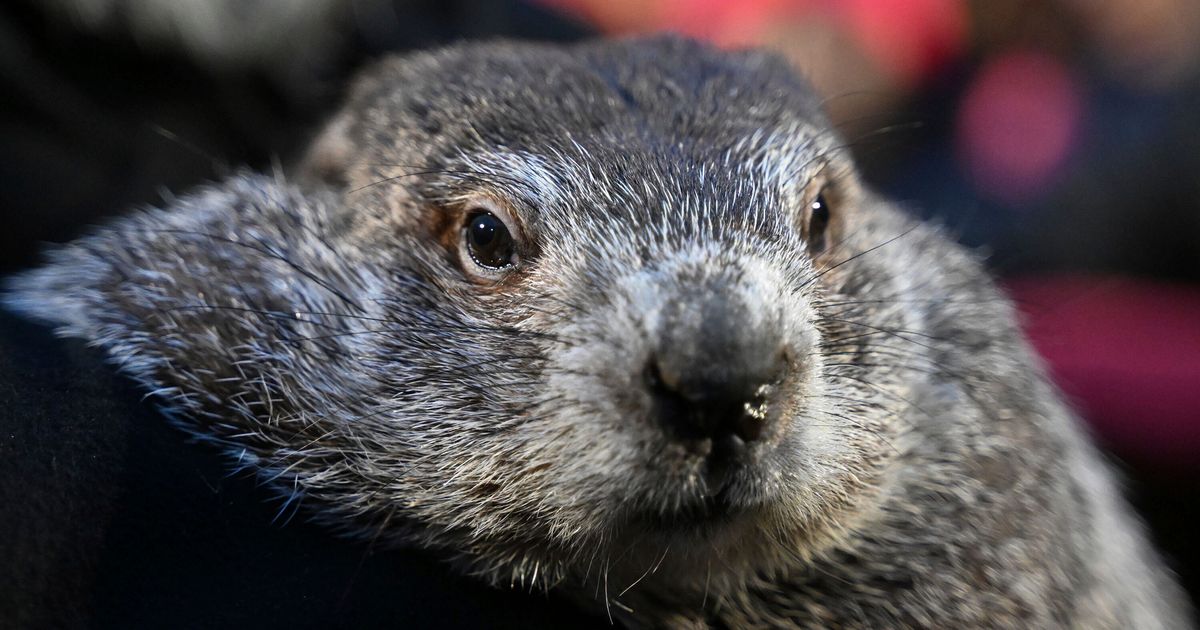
(1059, 137)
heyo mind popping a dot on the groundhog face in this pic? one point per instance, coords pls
(545, 308)
(632, 244)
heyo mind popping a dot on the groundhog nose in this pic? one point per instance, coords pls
(722, 398)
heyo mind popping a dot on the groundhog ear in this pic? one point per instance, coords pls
(216, 281)
(328, 158)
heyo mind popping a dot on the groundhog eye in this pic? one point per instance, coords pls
(489, 241)
(817, 224)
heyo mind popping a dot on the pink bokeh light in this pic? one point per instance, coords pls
(1127, 354)
(1018, 124)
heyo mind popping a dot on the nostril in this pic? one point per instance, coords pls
(674, 410)
(714, 400)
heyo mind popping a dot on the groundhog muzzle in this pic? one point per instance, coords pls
(620, 319)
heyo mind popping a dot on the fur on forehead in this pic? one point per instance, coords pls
(425, 110)
(529, 88)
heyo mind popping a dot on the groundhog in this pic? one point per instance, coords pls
(620, 319)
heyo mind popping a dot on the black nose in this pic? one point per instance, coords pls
(714, 372)
(715, 404)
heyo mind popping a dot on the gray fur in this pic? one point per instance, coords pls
(920, 471)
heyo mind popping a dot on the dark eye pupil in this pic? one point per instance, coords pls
(488, 240)
(817, 223)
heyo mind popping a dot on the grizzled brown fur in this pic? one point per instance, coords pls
(911, 466)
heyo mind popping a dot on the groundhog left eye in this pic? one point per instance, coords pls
(489, 242)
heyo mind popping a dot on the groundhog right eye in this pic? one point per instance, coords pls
(817, 224)
(489, 242)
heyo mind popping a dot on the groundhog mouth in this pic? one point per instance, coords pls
(728, 480)
(702, 512)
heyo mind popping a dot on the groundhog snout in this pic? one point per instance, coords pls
(715, 368)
